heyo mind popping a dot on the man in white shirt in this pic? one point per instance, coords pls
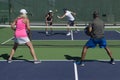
(70, 18)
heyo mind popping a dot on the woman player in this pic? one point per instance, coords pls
(20, 34)
(48, 21)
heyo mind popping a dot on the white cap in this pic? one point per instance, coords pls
(50, 10)
(23, 11)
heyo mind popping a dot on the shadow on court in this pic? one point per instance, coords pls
(74, 58)
(68, 57)
(6, 56)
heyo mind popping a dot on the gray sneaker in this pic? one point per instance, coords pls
(9, 61)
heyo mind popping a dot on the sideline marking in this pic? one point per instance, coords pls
(7, 40)
(117, 31)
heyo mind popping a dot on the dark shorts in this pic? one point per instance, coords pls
(48, 22)
(71, 23)
(92, 43)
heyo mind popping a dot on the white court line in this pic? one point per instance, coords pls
(72, 35)
(76, 71)
(117, 31)
(7, 40)
(64, 60)
(80, 26)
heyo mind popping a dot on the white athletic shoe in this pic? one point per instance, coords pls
(68, 34)
(46, 32)
(37, 62)
(77, 30)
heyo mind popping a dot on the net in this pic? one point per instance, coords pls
(59, 38)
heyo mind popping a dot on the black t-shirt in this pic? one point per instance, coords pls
(49, 16)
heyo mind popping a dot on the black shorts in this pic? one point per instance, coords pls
(49, 23)
(71, 23)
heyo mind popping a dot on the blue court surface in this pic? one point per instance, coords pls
(21, 70)
(99, 70)
(61, 35)
(59, 70)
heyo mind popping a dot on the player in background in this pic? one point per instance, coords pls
(21, 36)
(49, 21)
(96, 30)
(70, 17)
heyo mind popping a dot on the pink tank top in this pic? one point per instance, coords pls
(20, 28)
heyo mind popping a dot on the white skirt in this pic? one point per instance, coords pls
(22, 40)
